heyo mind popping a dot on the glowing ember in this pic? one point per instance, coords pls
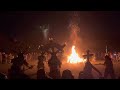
(74, 57)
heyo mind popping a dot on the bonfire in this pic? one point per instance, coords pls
(74, 58)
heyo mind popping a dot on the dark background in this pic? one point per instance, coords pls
(97, 28)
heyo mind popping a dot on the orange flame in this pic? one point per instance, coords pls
(74, 57)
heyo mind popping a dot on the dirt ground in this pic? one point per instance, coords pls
(75, 68)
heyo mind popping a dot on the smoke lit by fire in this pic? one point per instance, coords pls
(75, 39)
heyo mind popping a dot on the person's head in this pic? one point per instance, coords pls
(81, 75)
(107, 57)
(67, 74)
(42, 53)
(41, 74)
(20, 55)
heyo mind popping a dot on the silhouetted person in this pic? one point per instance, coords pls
(55, 65)
(41, 60)
(42, 75)
(108, 68)
(87, 71)
(81, 75)
(15, 72)
(67, 74)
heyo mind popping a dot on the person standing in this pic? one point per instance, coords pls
(109, 70)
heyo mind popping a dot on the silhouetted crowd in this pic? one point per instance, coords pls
(49, 53)
(18, 61)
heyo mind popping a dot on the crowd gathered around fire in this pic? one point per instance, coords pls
(17, 60)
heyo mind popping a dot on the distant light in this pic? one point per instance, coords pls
(115, 54)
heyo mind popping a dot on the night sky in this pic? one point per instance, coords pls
(99, 27)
